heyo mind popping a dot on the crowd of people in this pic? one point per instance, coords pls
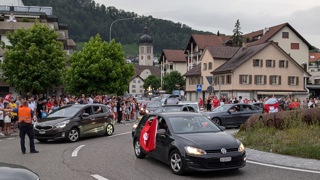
(123, 108)
(283, 103)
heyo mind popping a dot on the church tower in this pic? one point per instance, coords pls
(146, 49)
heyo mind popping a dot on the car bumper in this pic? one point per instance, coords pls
(51, 134)
(212, 162)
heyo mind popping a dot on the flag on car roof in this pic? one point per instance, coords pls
(148, 135)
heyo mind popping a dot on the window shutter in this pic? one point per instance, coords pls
(287, 62)
(254, 64)
(270, 80)
(222, 79)
(216, 80)
(297, 81)
(255, 79)
(288, 80)
(279, 80)
(265, 79)
(240, 78)
(250, 79)
(261, 63)
(280, 64)
(273, 63)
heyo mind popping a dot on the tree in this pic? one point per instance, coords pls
(99, 68)
(237, 38)
(35, 60)
(173, 81)
(153, 81)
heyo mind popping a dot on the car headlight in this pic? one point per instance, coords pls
(62, 124)
(241, 147)
(194, 151)
(147, 111)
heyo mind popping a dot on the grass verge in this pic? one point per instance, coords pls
(296, 139)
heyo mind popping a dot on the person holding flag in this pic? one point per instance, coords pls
(271, 105)
(148, 135)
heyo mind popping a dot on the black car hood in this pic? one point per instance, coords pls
(210, 140)
(52, 121)
(12, 171)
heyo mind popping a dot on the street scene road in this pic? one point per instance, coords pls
(113, 158)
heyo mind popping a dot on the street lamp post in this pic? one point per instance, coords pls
(123, 19)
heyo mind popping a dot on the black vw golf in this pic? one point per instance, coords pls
(189, 141)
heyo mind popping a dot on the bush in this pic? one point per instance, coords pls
(294, 133)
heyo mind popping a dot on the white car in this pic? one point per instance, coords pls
(193, 104)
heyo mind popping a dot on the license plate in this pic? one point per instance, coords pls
(225, 159)
(42, 132)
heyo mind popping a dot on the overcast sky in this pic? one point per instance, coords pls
(214, 15)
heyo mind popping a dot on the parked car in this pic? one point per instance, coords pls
(232, 114)
(190, 141)
(150, 107)
(72, 122)
(17, 172)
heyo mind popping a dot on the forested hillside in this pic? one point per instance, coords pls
(86, 18)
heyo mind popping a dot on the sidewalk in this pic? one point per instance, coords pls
(282, 160)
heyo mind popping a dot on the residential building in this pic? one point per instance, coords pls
(314, 70)
(141, 73)
(197, 44)
(212, 58)
(286, 37)
(256, 71)
(14, 15)
(172, 60)
(261, 70)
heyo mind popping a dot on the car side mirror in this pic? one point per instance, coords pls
(84, 115)
(161, 132)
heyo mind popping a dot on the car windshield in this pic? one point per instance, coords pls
(192, 124)
(222, 108)
(65, 112)
(154, 104)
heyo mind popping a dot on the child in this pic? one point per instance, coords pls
(7, 120)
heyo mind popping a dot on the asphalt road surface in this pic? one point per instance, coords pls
(112, 158)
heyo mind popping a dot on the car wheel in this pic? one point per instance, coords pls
(73, 135)
(217, 121)
(109, 130)
(42, 140)
(176, 163)
(137, 150)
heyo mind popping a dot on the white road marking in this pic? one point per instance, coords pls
(119, 134)
(75, 152)
(97, 176)
(284, 167)
(10, 138)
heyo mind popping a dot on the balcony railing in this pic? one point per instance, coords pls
(34, 9)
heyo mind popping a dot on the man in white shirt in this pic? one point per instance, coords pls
(32, 105)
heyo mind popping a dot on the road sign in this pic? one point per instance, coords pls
(199, 88)
(210, 89)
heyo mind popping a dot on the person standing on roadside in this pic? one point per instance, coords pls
(25, 118)
(119, 110)
(14, 116)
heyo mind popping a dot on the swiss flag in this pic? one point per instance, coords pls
(148, 135)
(271, 108)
